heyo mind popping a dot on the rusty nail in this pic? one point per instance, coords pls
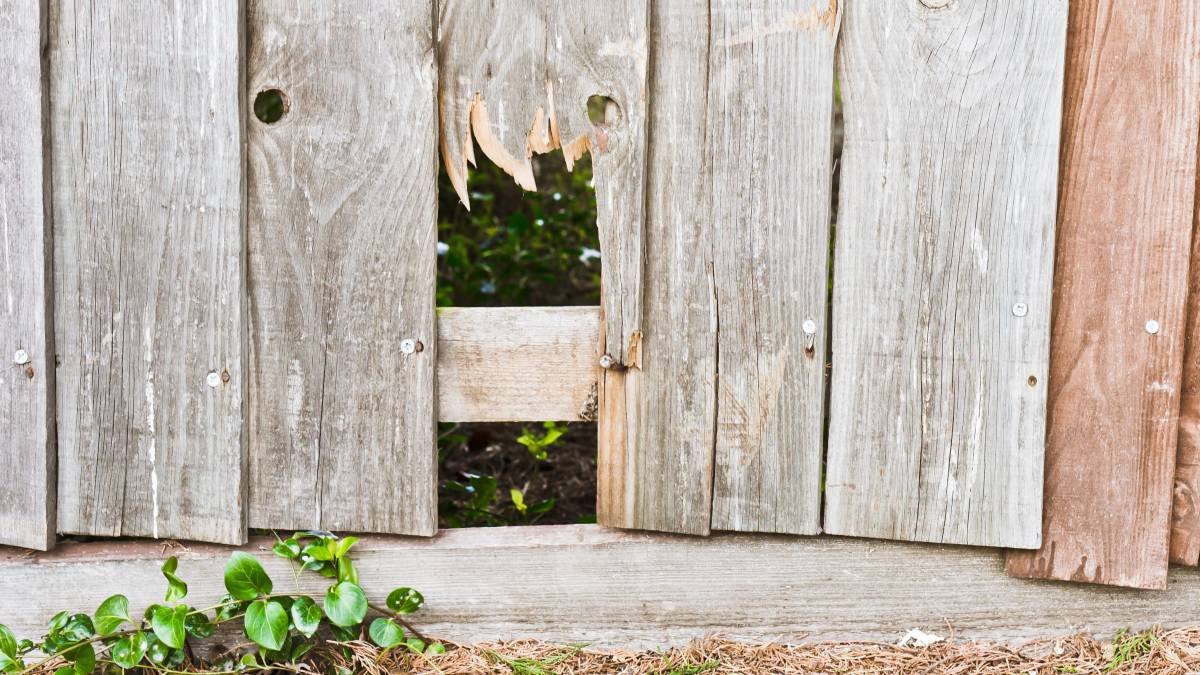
(225, 376)
(29, 372)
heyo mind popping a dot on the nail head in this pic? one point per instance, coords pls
(810, 326)
(1020, 309)
(1152, 327)
(214, 379)
(409, 346)
(21, 357)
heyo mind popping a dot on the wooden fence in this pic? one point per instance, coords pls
(218, 323)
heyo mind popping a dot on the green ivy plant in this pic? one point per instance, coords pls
(540, 444)
(283, 627)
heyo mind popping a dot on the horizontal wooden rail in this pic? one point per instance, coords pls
(608, 587)
(513, 364)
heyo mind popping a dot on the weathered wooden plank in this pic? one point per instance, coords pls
(342, 236)
(511, 364)
(943, 269)
(147, 173)
(27, 502)
(771, 63)
(657, 423)
(1125, 223)
(1185, 507)
(624, 589)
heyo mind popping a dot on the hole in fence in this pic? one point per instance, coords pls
(517, 248)
(1033, 380)
(602, 110)
(270, 106)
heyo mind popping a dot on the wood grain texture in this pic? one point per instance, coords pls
(514, 364)
(1125, 223)
(636, 590)
(943, 269)
(27, 503)
(516, 77)
(148, 209)
(772, 63)
(1185, 507)
(342, 236)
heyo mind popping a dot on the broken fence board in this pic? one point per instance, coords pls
(27, 503)
(515, 364)
(147, 173)
(943, 269)
(634, 590)
(342, 235)
(1124, 238)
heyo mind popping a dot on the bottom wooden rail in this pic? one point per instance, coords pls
(583, 583)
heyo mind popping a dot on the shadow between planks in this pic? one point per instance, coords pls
(617, 588)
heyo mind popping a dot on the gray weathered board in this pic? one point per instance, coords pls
(607, 588)
(943, 269)
(342, 230)
(731, 388)
(148, 258)
(27, 500)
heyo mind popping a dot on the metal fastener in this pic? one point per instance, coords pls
(1152, 327)
(411, 346)
(810, 326)
(21, 357)
(214, 379)
(1020, 309)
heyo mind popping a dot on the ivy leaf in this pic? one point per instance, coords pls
(386, 633)
(346, 571)
(436, 648)
(8, 642)
(176, 588)
(288, 548)
(319, 551)
(169, 625)
(405, 600)
(266, 623)
(128, 652)
(58, 621)
(345, 604)
(83, 657)
(229, 608)
(112, 613)
(306, 615)
(198, 626)
(415, 644)
(245, 578)
(343, 546)
(347, 634)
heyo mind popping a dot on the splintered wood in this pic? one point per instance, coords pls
(943, 270)
(342, 232)
(1125, 224)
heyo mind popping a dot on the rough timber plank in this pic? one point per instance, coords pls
(342, 236)
(943, 269)
(1125, 224)
(502, 364)
(770, 62)
(147, 174)
(613, 588)
(26, 384)
(1185, 507)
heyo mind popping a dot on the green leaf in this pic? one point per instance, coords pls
(58, 621)
(518, 500)
(84, 658)
(386, 633)
(266, 623)
(346, 571)
(198, 626)
(156, 651)
(343, 546)
(345, 604)
(112, 613)
(405, 600)
(249, 659)
(8, 642)
(77, 629)
(128, 652)
(245, 578)
(436, 648)
(415, 644)
(176, 588)
(169, 625)
(306, 615)
(64, 670)
(288, 548)
(229, 608)
(344, 634)
(319, 551)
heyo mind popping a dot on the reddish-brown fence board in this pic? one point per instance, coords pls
(1125, 218)
(1185, 511)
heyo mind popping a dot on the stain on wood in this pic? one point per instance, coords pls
(27, 502)
(342, 234)
(943, 268)
(1128, 180)
(148, 257)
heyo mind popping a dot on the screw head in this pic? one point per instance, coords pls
(408, 346)
(21, 357)
(1020, 309)
(810, 326)
(213, 379)
(1152, 327)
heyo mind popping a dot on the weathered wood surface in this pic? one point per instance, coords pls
(502, 364)
(342, 236)
(1125, 222)
(771, 63)
(27, 501)
(943, 269)
(1185, 507)
(623, 589)
(148, 208)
